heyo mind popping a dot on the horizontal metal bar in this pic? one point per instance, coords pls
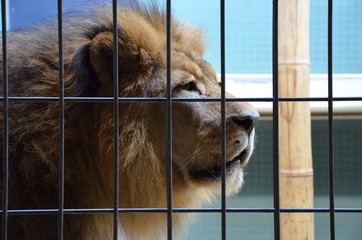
(83, 99)
(178, 210)
(161, 99)
(318, 99)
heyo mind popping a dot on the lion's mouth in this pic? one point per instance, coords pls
(214, 173)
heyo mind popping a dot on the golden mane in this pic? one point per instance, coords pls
(89, 126)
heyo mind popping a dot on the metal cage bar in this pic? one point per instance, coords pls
(115, 120)
(275, 122)
(61, 123)
(79, 211)
(223, 121)
(330, 121)
(5, 185)
(169, 101)
(161, 99)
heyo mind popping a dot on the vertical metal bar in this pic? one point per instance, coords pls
(116, 119)
(223, 122)
(5, 190)
(330, 121)
(61, 123)
(276, 124)
(169, 122)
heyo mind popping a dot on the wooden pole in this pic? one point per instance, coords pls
(296, 170)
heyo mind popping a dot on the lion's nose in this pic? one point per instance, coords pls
(246, 122)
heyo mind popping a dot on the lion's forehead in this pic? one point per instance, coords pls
(191, 63)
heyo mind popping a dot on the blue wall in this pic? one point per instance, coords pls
(248, 30)
(249, 33)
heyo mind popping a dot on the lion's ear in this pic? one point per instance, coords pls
(133, 60)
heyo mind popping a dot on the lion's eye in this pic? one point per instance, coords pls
(190, 86)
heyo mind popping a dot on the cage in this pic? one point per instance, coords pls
(248, 68)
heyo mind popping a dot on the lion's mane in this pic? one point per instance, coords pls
(33, 70)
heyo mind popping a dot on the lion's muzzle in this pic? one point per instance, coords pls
(239, 146)
(215, 173)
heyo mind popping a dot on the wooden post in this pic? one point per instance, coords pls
(296, 170)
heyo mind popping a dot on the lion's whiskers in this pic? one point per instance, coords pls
(198, 154)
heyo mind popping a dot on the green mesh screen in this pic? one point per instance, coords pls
(347, 154)
(258, 190)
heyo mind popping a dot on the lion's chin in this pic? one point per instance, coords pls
(215, 173)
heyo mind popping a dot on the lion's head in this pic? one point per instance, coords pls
(196, 125)
(197, 130)
(89, 126)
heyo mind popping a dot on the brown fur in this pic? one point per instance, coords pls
(34, 126)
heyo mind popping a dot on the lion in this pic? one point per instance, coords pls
(33, 71)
